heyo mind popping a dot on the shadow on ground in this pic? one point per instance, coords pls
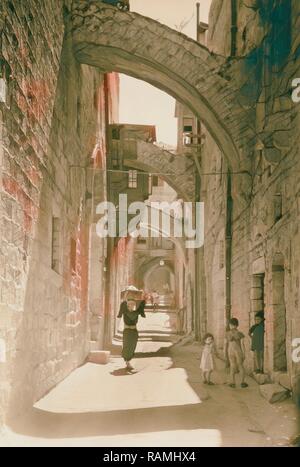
(219, 408)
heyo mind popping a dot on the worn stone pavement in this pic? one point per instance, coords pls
(162, 403)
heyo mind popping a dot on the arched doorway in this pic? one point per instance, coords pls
(161, 278)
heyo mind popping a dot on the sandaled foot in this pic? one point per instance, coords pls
(232, 385)
(205, 382)
(211, 383)
(244, 385)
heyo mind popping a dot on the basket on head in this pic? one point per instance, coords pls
(131, 293)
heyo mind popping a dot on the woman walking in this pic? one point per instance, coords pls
(130, 313)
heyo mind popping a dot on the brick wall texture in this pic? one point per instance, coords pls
(52, 127)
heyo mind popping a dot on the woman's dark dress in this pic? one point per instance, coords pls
(130, 336)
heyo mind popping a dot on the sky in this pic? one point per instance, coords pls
(140, 102)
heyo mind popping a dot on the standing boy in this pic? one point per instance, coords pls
(257, 334)
(235, 351)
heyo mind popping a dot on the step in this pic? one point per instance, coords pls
(101, 357)
(161, 308)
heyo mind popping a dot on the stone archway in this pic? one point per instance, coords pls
(178, 172)
(149, 269)
(145, 49)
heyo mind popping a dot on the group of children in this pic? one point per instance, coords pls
(234, 351)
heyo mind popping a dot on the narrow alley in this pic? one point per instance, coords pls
(163, 402)
(149, 223)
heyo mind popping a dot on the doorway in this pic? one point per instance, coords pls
(279, 315)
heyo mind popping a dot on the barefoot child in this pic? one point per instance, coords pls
(207, 363)
(235, 350)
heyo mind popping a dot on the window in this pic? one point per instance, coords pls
(187, 129)
(132, 179)
(188, 124)
(56, 244)
(116, 134)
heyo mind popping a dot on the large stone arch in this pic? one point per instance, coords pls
(145, 49)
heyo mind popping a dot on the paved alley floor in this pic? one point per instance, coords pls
(162, 403)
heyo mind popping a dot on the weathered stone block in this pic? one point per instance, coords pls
(261, 379)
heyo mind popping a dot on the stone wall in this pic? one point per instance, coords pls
(265, 266)
(250, 30)
(51, 127)
(213, 193)
(121, 274)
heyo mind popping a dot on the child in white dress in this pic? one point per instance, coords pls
(208, 355)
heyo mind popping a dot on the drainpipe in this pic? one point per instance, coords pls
(198, 21)
(228, 248)
(197, 282)
(234, 28)
(107, 288)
